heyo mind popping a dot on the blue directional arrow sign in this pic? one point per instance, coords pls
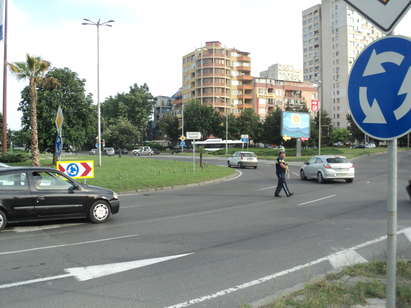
(379, 89)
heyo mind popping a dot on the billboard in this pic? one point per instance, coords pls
(295, 125)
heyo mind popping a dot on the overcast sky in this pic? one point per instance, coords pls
(149, 38)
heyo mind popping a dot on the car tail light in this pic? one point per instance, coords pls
(327, 166)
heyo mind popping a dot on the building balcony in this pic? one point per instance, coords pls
(213, 85)
(245, 87)
(199, 76)
(243, 59)
(245, 106)
(243, 68)
(245, 77)
(211, 65)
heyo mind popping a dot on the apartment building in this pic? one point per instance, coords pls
(219, 77)
(161, 107)
(343, 34)
(270, 94)
(283, 72)
(312, 44)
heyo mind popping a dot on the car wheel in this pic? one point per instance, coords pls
(3, 220)
(241, 166)
(100, 212)
(255, 167)
(302, 175)
(320, 178)
(349, 180)
(228, 164)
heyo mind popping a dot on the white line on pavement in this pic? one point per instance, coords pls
(12, 252)
(41, 228)
(22, 283)
(316, 200)
(266, 188)
(264, 279)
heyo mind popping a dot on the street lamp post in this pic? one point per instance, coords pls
(98, 24)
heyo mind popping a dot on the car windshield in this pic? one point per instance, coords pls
(337, 160)
(247, 154)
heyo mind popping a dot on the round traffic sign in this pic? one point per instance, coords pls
(379, 89)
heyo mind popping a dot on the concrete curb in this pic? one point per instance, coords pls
(229, 178)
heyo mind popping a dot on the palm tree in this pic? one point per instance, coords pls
(34, 69)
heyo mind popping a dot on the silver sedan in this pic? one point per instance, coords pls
(328, 167)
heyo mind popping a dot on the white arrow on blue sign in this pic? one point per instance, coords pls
(379, 88)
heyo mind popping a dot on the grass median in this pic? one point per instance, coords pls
(355, 285)
(128, 174)
(270, 154)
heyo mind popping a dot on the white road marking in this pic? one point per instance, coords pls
(346, 258)
(316, 200)
(41, 228)
(12, 252)
(32, 281)
(96, 271)
(266, 188)
(264, 279)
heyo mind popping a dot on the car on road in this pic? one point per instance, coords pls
(44, 194)
(109, 151)
(3, 165)
(243, 160)
(93, 152)
(143, 151)
(328, 167)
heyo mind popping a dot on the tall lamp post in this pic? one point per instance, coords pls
(98, 24)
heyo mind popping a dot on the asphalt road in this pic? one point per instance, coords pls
(229, 244)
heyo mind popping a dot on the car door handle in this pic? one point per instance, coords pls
(41, 198)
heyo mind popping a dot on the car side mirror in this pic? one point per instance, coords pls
(306, 163)
(74, 187)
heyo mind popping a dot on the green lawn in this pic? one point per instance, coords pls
(129, 173)
(270, 154)
(352, 286)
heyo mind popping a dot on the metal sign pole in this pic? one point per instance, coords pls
(194, 157)
(392, 224)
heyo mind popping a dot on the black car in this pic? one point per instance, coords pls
(33, 194)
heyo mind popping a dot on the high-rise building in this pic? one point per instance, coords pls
(283, 72)
(342, 34)
(161, 107)
(271, 94)
(219, 77)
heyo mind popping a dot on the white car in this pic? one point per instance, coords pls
(243, 160)
(143, 151)
(328, 167)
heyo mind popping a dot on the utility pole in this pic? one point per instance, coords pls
(4, 130)
(98, 24)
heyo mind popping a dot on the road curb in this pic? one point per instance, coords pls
(229, 178)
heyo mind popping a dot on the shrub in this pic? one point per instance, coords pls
(14, 157)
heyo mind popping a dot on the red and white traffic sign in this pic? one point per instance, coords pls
(315, 105)
(77, 169)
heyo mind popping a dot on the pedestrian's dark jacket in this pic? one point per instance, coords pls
(278, 169)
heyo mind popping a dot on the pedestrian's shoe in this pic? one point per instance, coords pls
(277, 196)
(290, 194)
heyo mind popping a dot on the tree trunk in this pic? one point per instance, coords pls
(34, 133)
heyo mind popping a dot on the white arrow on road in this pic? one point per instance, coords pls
(96, 271)
(406, 105)
(373, 113)
(375, 62)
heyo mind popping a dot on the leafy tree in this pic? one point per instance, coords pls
(80, 119)
(34, 69)
(202, 118)
(21, 138)
(234, 131)
(169, 127)
(136, 106)
(340, 135)
(356, 133)
(271, 128)
(122, 134)
(326, 129)
(249, 123)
